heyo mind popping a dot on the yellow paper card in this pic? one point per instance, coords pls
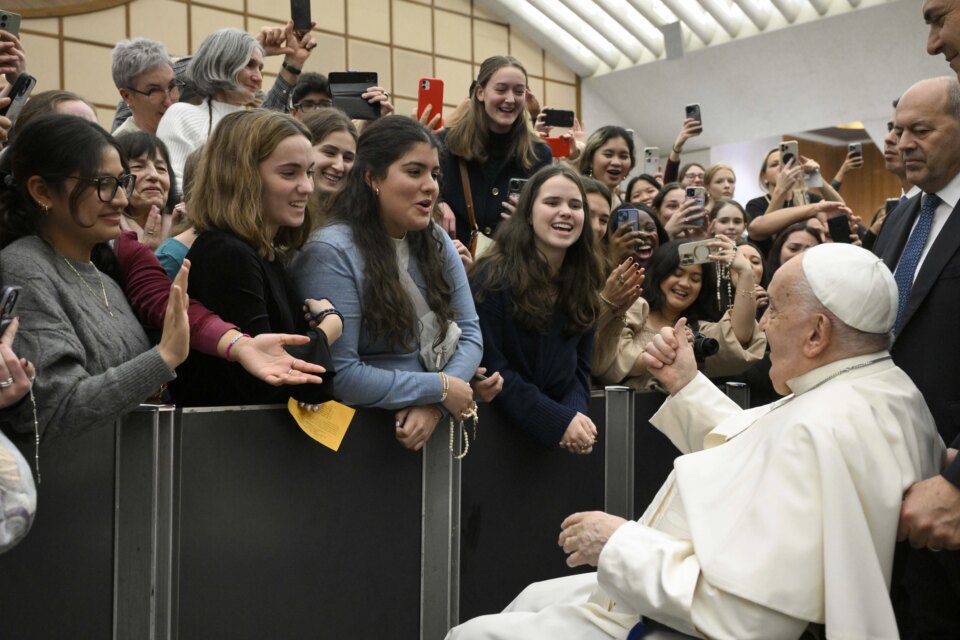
(327, 426)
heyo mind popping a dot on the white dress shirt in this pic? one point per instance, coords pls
(949, 196)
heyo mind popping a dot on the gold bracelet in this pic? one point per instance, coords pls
(604, 300)
(748, 294)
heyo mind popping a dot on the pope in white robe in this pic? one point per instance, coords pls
(775, 518)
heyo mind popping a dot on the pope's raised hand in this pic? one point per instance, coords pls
(669, 357)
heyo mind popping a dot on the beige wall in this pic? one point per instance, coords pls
(402, 40)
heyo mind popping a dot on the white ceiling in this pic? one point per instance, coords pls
(595, 37)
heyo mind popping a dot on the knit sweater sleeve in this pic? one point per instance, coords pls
(147, 288)
(71, 397)
(524, 404)
(183, 128)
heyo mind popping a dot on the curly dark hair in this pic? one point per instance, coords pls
(513, 264)
(387, 309)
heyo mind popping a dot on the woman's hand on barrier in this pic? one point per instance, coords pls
(623, 287)
(331, 324)
(448, 219)
(464, 252)
(415, 425)
(174, 344)
(584, 535)
(16, 373)
(486, 390)
(580, 436)
(264, 357)
(459, 396)
(623, 242)
(669, 357)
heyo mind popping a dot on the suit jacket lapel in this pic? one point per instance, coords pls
(895, 231)
(944, 247)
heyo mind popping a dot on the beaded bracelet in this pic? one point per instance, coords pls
(330, 311)
(444, 387)
(236, 339)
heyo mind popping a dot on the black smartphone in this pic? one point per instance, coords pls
(891, 204)
(8, 305)
(693, 111)
(559, 117)
(516, 186)
(19, 94)
(855, 150)
(347, 87)
(839, 227)
(10, 22)
(300, 14)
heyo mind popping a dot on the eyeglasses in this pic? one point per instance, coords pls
(159, 94)
(107, 186)
(312, 105)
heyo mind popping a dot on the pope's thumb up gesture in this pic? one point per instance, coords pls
(669, 357)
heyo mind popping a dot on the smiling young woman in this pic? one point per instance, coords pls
(411, 339)
(249, 213)
(537, 293)
(609, 155)
(492, 143)
(335, 151)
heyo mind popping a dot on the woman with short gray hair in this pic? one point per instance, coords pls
(225, 70)
(143, 74)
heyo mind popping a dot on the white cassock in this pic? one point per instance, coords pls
(792, 521)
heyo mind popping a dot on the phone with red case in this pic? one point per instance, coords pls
(430, 92)
(559, 146)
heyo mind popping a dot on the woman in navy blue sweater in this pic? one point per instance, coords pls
(537, 294)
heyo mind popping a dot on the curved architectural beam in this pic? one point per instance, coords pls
(607, 27)
(580, 30)
(757, 12)
(703, 28)
(635, 23)
(821, 6)
(789, 8)
(547, 34)
(720, 11)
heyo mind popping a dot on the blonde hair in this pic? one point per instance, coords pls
(469, 136)
(227, 187)
(714, 170)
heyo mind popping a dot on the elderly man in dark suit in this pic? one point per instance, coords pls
(920, 243)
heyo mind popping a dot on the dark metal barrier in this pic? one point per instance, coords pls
(230, 522)
(515, 494)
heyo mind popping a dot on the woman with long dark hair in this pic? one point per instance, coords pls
(537, 293)
(608, 156)
(411, 338)
(488, 146)
(673, 290)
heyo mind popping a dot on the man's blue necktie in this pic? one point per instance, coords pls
(910, 257)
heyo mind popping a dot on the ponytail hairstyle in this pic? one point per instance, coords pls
(514, 265)
(469, 137)
(388, 311)
(54, 147)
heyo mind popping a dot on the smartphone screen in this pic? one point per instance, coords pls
(558, 117)
(300, 14)
(839, 227)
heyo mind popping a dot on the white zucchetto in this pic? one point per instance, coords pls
(854, 284)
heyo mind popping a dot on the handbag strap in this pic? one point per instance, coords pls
(468, 198)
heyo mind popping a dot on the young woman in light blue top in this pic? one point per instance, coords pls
(390, 270)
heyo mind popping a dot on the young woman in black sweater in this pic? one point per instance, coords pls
(537, 293)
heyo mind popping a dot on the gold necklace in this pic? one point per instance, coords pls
(103, 289)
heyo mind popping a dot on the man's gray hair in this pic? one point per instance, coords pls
(133, 57)
(848, 339)
(953, 98)
(221, 56)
